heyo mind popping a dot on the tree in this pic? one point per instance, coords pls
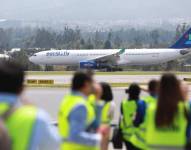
(117, 42)
(97, 40)
(22, 58)
(44, 39)
(107, 44)
(4, 40)
(155, 37)
(89, 44)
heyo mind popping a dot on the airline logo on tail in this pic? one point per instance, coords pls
(188, 36)
(184, 41)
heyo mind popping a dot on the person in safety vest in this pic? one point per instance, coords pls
(153, 92)
(131, 111)
(107, 113)
(28, 127)
(95, 101)
(167, 120)
(77, 116)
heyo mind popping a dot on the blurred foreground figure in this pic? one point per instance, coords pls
(167, 120)
(77, 116)
(107, 113)
(132, 112)
(153, 87)
(28, 127)
(101, 100)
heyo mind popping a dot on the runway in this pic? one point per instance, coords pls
(50, 98)
(65, 79)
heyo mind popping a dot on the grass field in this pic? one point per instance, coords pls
(104, 73)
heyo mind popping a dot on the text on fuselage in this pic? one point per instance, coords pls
(65, 53)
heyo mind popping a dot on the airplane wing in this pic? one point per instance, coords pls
(112, 58)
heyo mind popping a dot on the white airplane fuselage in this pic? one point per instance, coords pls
(129, 57)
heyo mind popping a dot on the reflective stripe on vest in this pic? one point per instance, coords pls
(174, 136)
(66, 107)
(129, 112)
(20, 125)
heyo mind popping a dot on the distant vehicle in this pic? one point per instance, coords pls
(108, 58)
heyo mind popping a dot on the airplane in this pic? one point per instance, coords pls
(108, 58)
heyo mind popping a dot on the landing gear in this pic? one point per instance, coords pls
(112, 69)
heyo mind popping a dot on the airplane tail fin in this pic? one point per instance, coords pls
(184, 41)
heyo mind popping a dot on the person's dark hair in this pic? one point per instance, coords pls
(169, 97)
(79, 80)
(153, 86)
(134, 92)
(11, 77)
(107, 94)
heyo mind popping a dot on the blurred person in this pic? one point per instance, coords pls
(107, 113)
(167, 120)
(76, 116)
(109, 105)
(29, 128)
(153, 86)
(131, 111)
(95, 101)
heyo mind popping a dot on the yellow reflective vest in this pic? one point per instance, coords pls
(105, 118)
(173, 137)
(68, 103)
(129, 109)
(149, 99)
(20, 125)
(138, 137)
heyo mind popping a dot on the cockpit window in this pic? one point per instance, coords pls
(34, 55)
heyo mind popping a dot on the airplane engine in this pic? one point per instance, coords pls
(88, 64)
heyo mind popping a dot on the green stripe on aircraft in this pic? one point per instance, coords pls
(121, 51)
(189, 37)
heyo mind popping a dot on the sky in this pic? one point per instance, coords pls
(94, 9)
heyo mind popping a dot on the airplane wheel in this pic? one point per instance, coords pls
(109, 69)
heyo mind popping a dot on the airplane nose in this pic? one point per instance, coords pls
(31, 59)
(184, 52)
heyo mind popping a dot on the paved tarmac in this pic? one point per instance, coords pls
(50, 98)
(65, 79)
